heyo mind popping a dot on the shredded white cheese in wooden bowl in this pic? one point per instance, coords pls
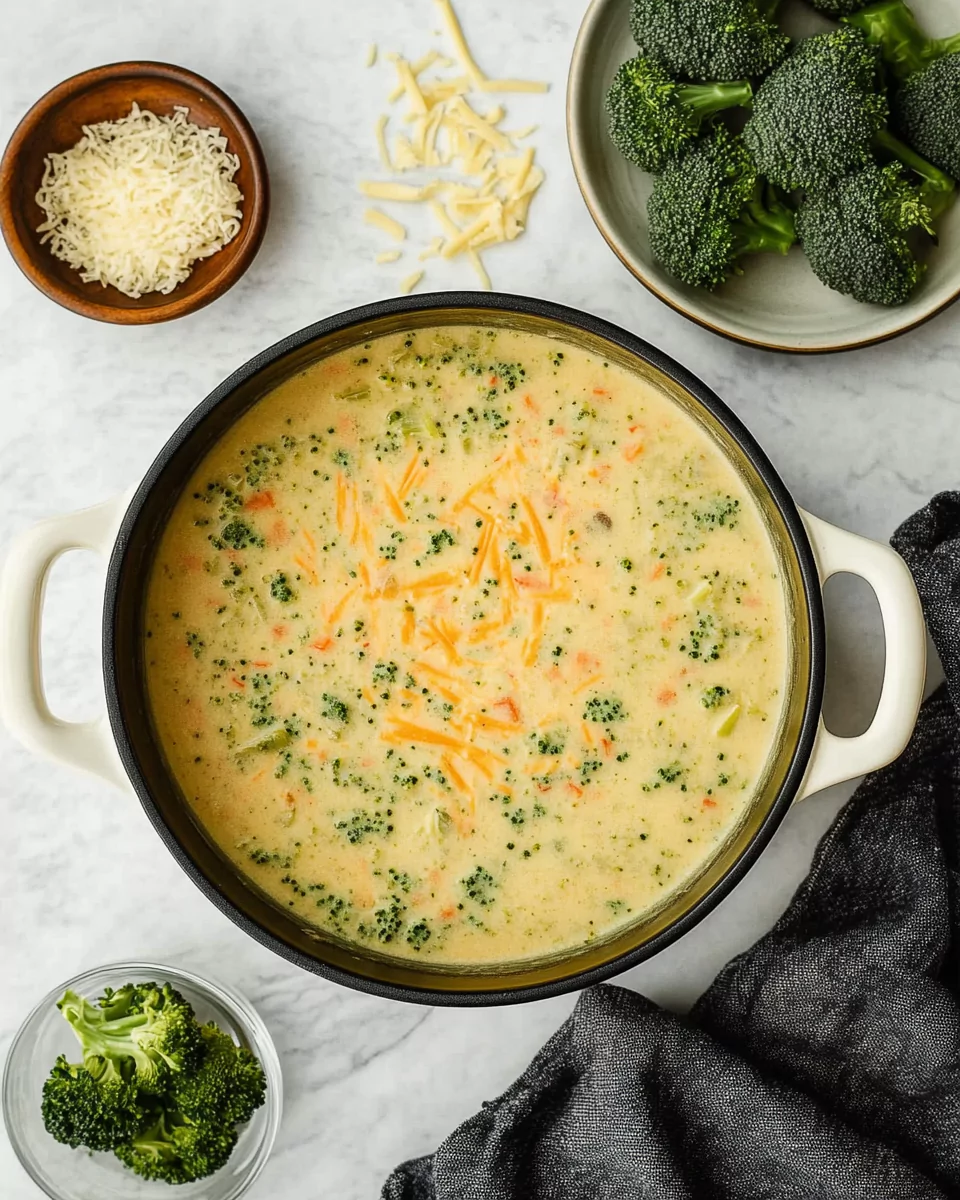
(137, 201)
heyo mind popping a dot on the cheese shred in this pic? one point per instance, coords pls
(459, 41)
(137, 201)
(402, 192)
(411, 281)
(373, 216)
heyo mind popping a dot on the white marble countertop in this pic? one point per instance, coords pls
(862, 439)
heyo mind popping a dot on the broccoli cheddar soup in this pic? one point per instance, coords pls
(467, 646)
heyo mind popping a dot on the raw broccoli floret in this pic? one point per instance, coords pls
(925, 107)
(925, 111)
(170, 1152)
(97, 1111)
(822, 115)
(854, 234)
(816, 116)
(704, 40)
(710, 208)
(838, 9)
(653, 119)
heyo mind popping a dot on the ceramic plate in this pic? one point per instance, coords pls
(778, 303)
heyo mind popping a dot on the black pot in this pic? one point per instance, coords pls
(805, 759)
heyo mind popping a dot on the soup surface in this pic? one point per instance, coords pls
(467, 645)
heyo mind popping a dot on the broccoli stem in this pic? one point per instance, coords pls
(766, 224)
(707, 98)
(109, 1040)
(938, 188)
(890, 25)
(941, 47)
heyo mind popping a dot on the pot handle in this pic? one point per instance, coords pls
(836, 759)
(24, 710)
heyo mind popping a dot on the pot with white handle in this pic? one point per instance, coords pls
(124, 749)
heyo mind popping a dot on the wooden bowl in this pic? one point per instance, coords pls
(105, 94)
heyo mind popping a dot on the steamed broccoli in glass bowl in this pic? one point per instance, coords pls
(844, 143)
(152, 1084)
(117, 1086)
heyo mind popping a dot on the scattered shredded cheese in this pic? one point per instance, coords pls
(371, 54)
(492, 183)
(403, 192)
(512, 85)
(388, 256)
(382, 142)
(411, 281)
(138, 200)
(431, 251)
(373, 216)
(459, 41)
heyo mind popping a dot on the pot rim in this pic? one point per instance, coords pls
(799, 546)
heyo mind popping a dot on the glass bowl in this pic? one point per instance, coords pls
(67, 1174)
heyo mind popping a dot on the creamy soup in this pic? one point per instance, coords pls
(467, 646)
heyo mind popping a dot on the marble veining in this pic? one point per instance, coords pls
(861, 439)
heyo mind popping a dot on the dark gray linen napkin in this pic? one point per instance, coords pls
(823, 1063)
